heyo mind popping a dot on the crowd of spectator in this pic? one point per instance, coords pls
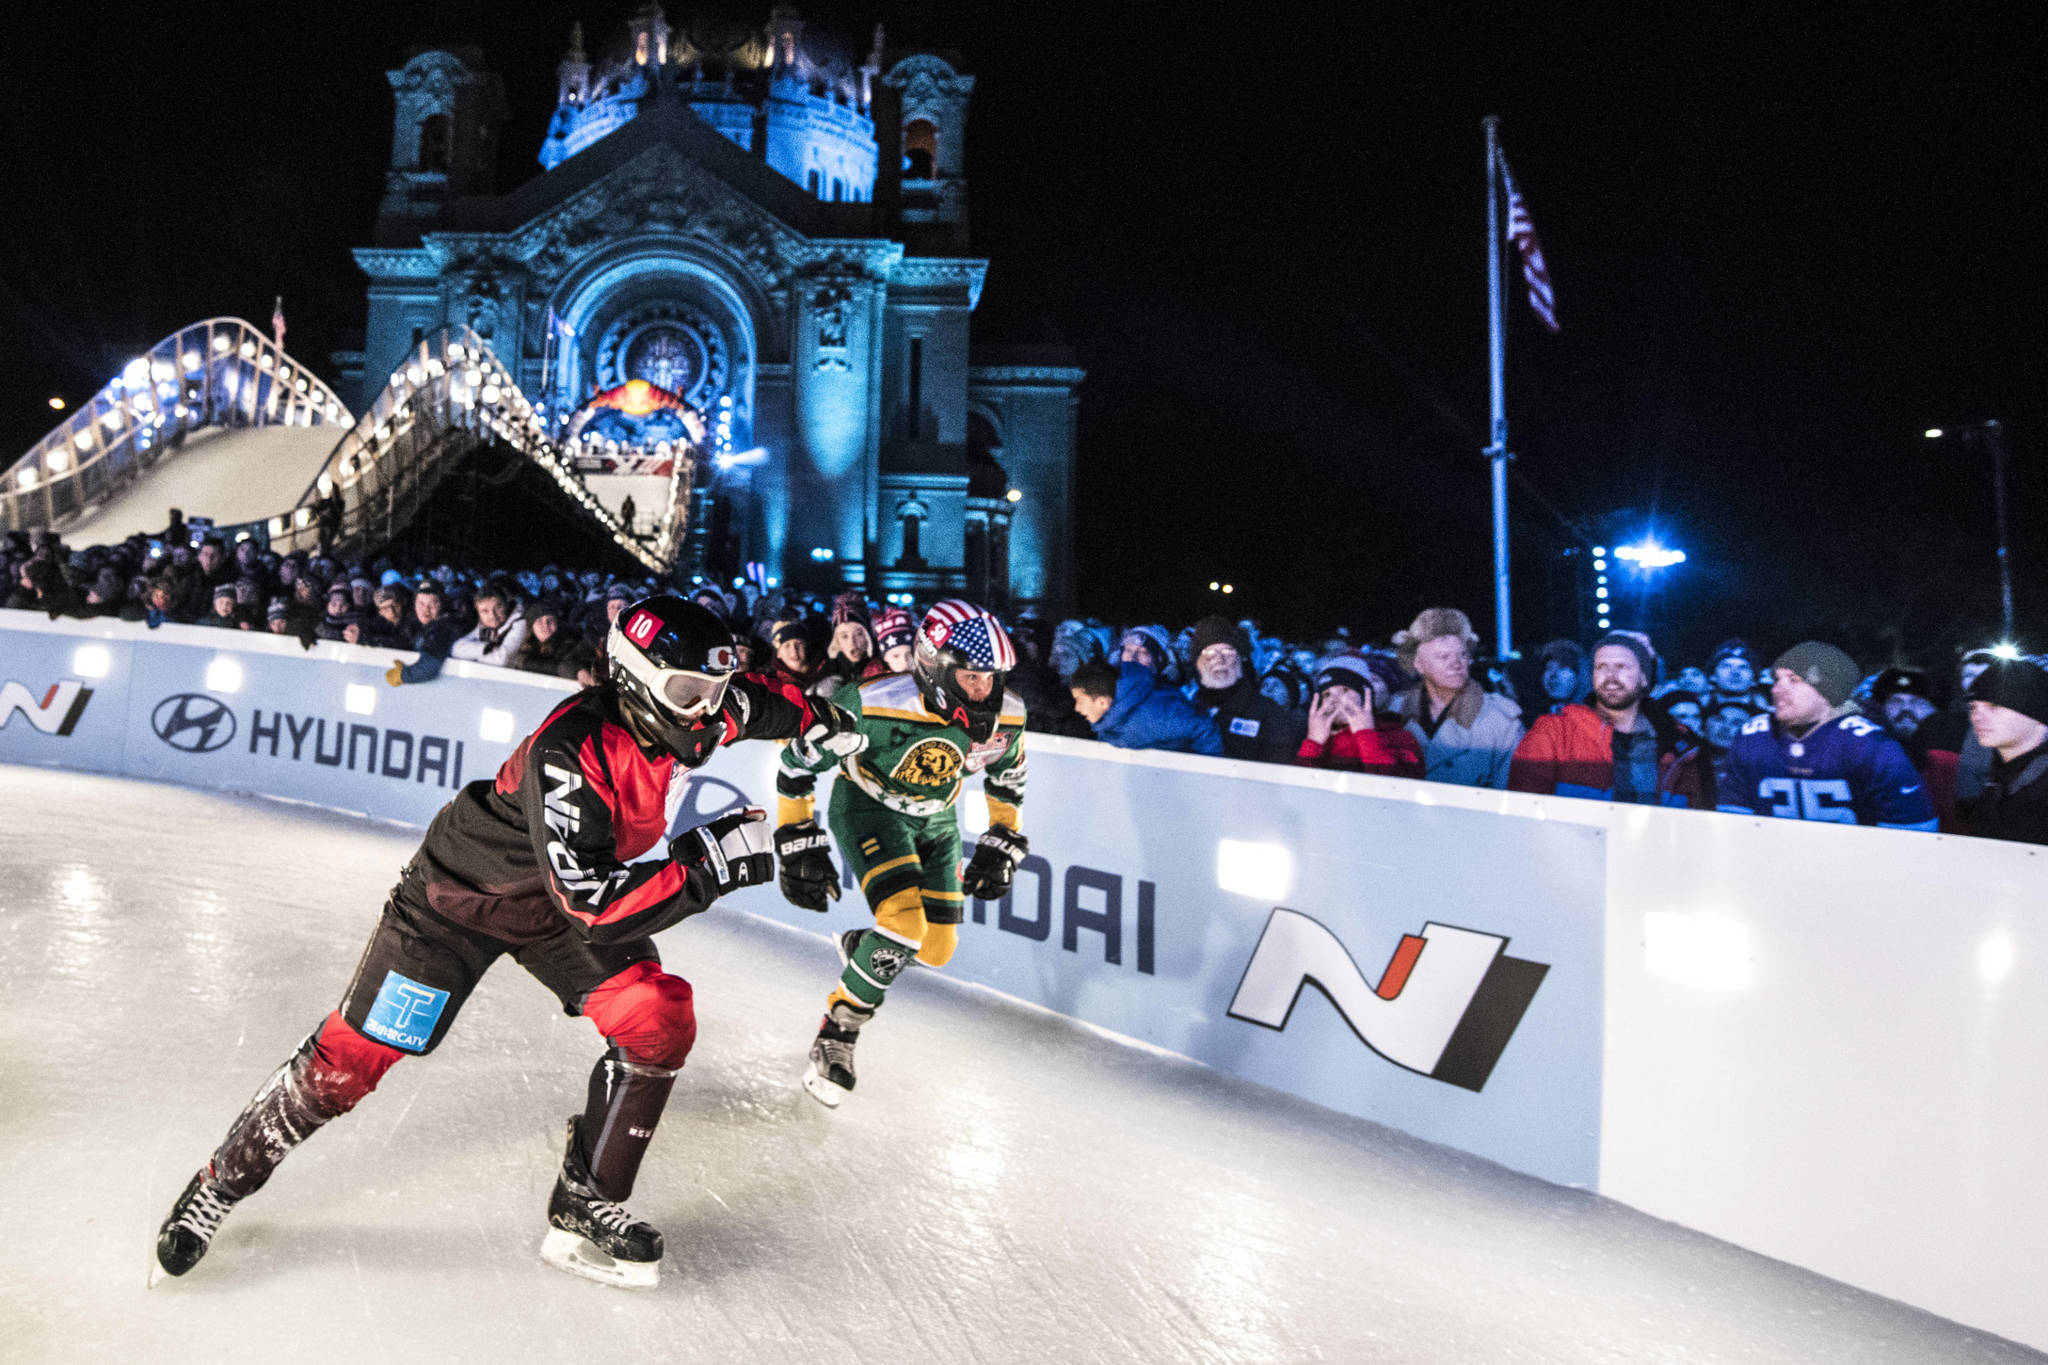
(1810, 736)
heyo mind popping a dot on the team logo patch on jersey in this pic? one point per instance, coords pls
(405, 1013)
(929, 763)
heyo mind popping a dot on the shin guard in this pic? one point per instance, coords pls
(332, 1070)
(625, 1104)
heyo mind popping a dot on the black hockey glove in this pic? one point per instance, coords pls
(996, 855)
(809, 878)
(734, 848)
(833, 732)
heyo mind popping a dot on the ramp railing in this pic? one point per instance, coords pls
(220, 372)
(449, 396)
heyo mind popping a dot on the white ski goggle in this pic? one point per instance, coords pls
(693, 694)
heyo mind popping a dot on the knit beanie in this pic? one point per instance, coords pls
(1220, 630)
(1893, 681)
(1731, 649)
(2017, 684)
(1638, 644)
(893, 627)
(1434, 624)
(1833, 673)
(1345, 670)
(850, 607)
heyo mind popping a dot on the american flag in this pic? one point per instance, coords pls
(954, 624)
(277, 321)
(1522, 232)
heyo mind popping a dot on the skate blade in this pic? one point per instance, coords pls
(157, 1273)
(567, 1251)
(820, 1089)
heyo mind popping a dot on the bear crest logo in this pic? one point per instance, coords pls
(930, 763)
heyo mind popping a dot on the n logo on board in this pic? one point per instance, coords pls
(56, 714)
(1445, 1006)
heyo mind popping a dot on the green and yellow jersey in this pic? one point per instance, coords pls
(915, 761)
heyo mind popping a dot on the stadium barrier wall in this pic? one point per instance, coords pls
(1817, 1042)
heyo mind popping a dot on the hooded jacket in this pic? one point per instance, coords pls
(2014, 803)
(1145, 715)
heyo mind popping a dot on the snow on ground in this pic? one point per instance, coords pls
(231, 476)
(1003, 1186)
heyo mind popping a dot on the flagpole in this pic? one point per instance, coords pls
(1496, 337)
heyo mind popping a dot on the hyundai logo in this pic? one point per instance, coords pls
(193, 722)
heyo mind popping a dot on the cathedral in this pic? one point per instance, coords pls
(772, 233)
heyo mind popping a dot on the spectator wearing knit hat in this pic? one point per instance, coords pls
(1731, 676)
(1348, 732)
(1613, 746)
(1812, 758)
(1902, 699)
(895, 639)
(2009, 715)
(1249, 723)
(790, 638)
(1468, 735)
(851, 650)
(551, 646)
(225, 613)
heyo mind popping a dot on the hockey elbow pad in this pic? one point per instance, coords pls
(734, 849)
(809, 878)
(994, 864)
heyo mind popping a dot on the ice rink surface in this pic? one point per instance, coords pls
(1003, 1186)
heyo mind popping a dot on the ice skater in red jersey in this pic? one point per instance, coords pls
(559, 862)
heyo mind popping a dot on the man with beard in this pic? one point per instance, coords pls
(1250, 724)
(1611, 747)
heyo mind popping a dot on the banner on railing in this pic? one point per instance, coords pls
(1424, 967)
(1817, 1042)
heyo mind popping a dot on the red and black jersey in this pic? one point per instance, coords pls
(574, 827)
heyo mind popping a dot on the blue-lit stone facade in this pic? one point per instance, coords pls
(777, 234)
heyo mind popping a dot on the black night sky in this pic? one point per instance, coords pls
(1783, 244)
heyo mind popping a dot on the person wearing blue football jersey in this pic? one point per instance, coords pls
(1813, 758)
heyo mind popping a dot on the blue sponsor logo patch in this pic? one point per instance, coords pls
(405, 1013)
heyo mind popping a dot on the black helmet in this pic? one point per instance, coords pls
(957, 635)
(671, 660)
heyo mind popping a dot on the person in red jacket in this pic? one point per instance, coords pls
(1345, 730)
(1611, 747)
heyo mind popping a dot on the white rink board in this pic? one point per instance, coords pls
(1840, 1073)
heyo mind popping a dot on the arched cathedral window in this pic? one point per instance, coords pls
(434, 143)
(920, 149)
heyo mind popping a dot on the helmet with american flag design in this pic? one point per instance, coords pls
(958, 637)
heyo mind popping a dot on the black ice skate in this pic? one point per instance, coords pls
(591, 1236)
(186, 1234)
(829, 1077)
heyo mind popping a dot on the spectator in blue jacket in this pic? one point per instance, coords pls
(1129, 707)
(1813, 758)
